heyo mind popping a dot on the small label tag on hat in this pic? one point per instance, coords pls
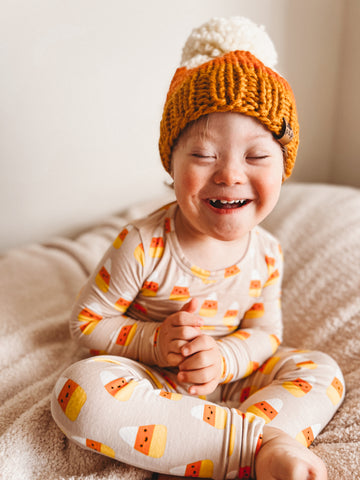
(286, 134)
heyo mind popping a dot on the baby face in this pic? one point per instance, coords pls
(227, 176)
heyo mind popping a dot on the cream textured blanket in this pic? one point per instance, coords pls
(319, 228)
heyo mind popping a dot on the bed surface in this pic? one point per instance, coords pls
(319, 229)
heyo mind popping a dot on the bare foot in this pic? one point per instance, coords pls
(281, 457)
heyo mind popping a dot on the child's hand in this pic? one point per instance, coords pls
(176, 331)
(202, 366)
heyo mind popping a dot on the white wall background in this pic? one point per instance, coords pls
(82, 84)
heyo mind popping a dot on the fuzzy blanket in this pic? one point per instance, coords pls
(319, 228)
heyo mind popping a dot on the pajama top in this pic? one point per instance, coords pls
(144, 277)
(141, 414)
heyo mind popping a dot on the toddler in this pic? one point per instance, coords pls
(182, 315)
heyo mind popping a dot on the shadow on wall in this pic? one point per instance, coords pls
(325, 82)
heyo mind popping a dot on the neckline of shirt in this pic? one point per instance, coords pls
(194, 269)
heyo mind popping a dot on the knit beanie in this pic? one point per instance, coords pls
(228, 65)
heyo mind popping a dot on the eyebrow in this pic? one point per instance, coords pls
(206, 134)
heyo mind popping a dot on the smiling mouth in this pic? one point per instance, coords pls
(228, 204)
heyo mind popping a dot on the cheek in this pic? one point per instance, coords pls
(187, 182)
(269, 187)
(183, 186)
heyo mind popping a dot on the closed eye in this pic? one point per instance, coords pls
(200, 155)
(203, 159)
(258, 157)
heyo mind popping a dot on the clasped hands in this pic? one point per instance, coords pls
(183, 345)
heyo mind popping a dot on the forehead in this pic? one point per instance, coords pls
(217, 125)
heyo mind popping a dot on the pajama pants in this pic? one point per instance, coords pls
(141, 416)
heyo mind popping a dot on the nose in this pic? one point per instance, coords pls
(230, 172)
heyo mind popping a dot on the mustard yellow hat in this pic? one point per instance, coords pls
(224, 70)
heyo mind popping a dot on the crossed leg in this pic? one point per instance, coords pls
(139, 416)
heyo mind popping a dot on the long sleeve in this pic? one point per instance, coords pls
(260, 331)
(144, 277)
(100, 319)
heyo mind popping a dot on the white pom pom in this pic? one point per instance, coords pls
(222, 35)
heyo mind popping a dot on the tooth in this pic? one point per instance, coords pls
(228, 202)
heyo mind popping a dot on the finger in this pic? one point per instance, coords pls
(175, 346)
(182, 319)
(174, 359)
(197, 361)
(190, 307)
(203, 389)
(198, 344)
(186, 334)
(200, 376)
